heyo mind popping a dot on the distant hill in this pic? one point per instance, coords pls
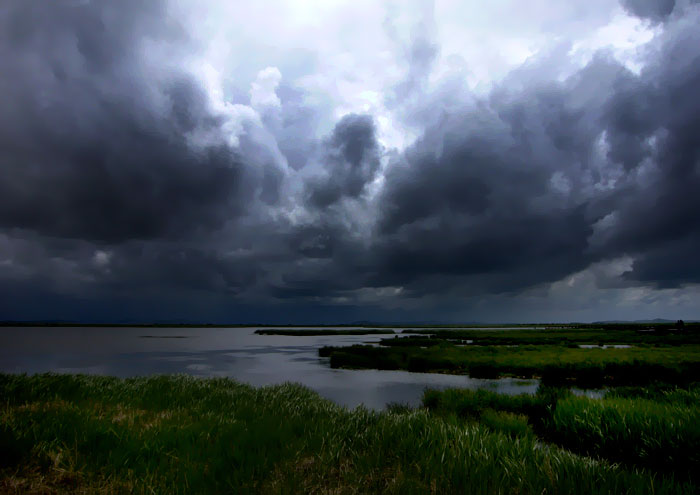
(655, 320)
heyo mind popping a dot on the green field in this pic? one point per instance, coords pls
(90, 434)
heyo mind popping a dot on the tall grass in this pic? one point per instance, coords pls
(660, 435)
(187, 435)
(657, 429)
(689, 396)
(464, 403)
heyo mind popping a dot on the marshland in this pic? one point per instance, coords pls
(486, 410)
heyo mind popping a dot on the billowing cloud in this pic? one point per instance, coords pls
(140, 160)
(97, 138)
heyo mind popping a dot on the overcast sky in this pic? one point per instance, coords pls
(334, 161)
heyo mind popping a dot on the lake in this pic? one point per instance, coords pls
(233, 352)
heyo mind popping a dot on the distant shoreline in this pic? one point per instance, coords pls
(285, 325)
(611, 324)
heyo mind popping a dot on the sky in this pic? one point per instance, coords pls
(326, 161)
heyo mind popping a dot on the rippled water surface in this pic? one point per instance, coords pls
(234, 352)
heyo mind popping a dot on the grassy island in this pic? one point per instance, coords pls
(323, 331)
(584, 357)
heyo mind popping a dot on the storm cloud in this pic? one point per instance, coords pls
(139, 160)
(98, 143)
(655, 10)
(350, 160)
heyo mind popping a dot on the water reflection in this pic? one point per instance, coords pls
(234, 352)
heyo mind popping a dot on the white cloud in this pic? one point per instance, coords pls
(348, 55)
(263, 89)
(623, 36)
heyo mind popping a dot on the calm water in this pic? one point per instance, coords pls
(233, 352)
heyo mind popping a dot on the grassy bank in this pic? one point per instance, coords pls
(651, 428)
(184, 435)
(322, 331)
(556, 365)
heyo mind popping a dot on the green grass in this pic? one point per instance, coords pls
(90, 434)
(687, 396)
(473, 404)
(556, 365)
(652, 428)
(661, 436)
(564, 336)
(309, 332)
(514, 425)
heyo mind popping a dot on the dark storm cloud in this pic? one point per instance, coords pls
(670, 264)
(493, 190)
(177, 268)
(94, 138)
(506, 193)
(655, 10)
(117, 178)
(350, 161)
(314, 241)
(657, 219)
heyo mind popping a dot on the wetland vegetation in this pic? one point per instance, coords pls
(653, 428)
(559, 365)
(180, 434)
(554, 355)
(177, 434)
(569, 334)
